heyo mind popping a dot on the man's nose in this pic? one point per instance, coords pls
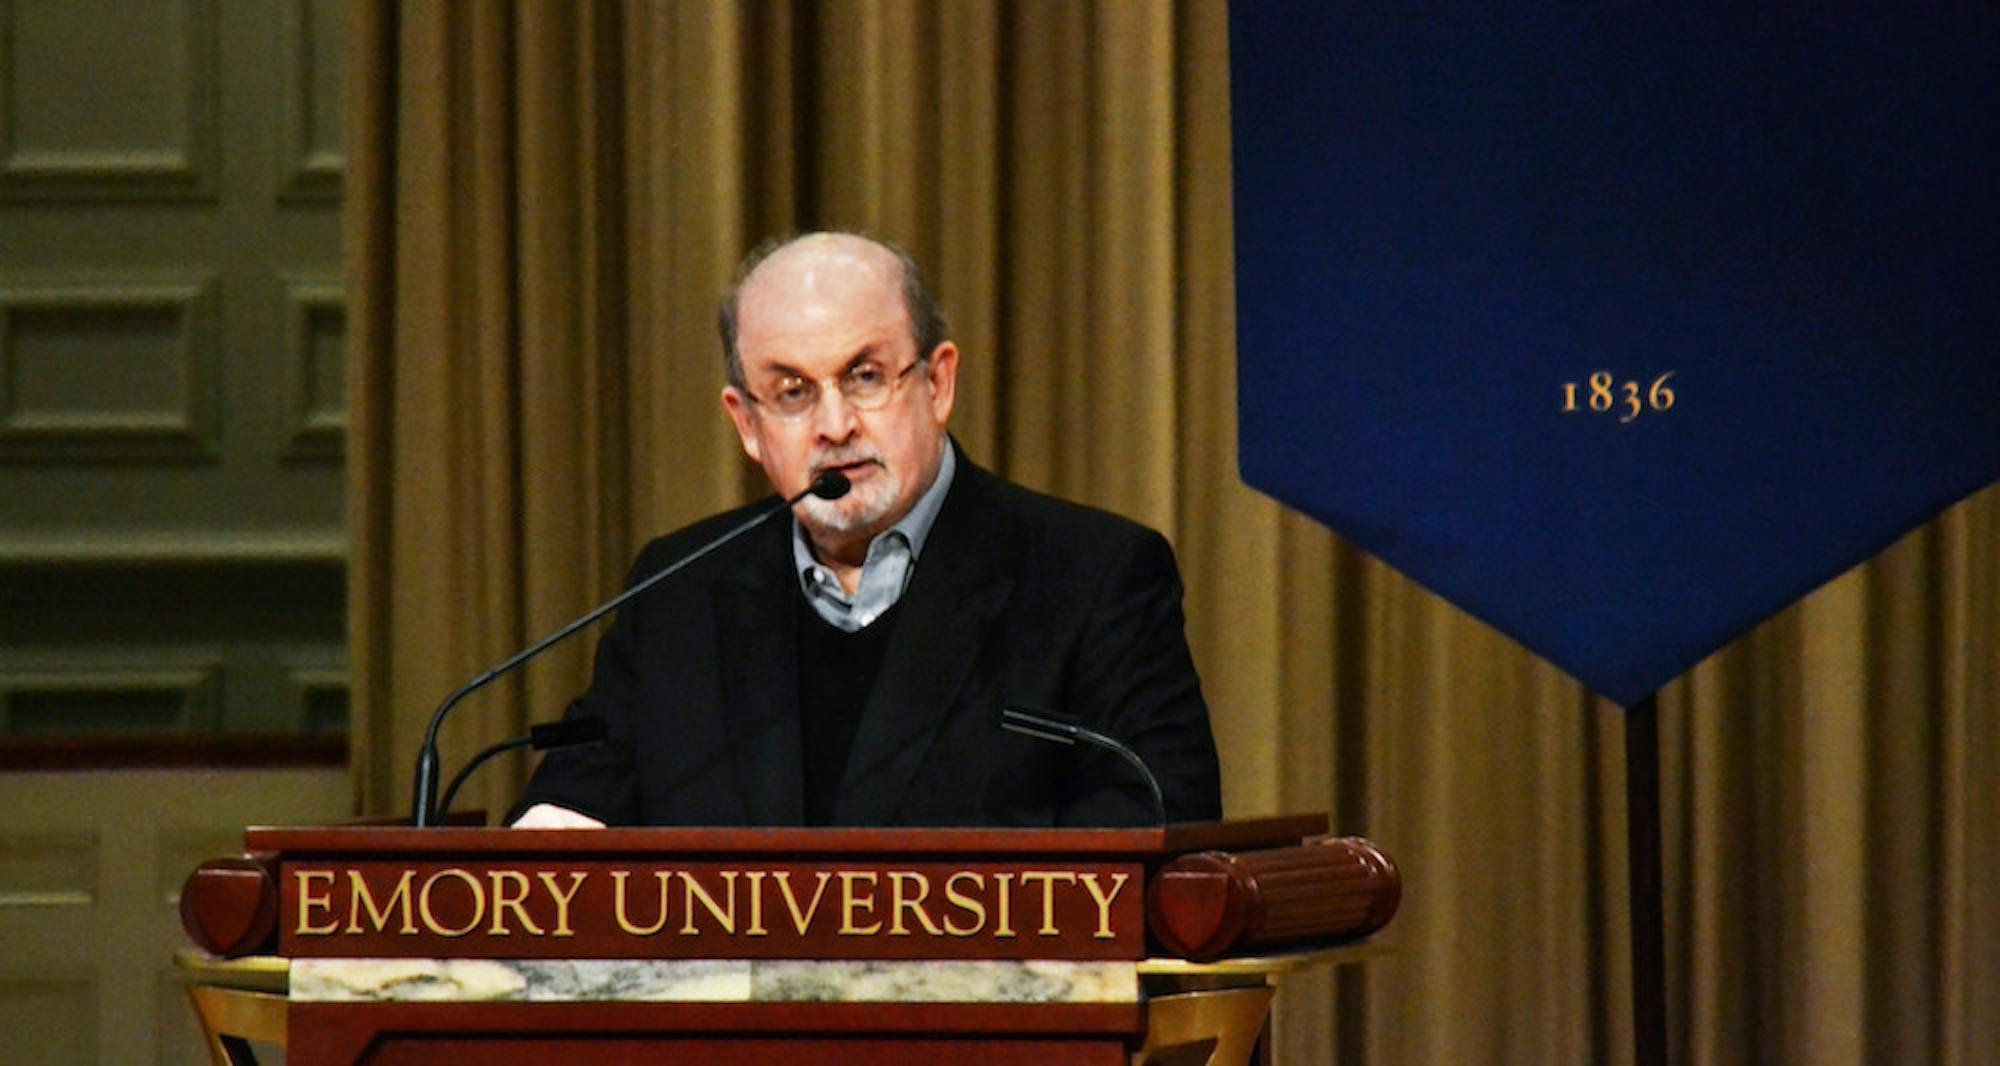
(833, 417)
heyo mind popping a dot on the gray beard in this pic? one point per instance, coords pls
(859, 514)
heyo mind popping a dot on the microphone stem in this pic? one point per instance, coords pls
(1130, 756)
(423, 807)
(1145, 772)
(451, 790)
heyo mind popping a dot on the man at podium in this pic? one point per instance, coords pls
(849, 666)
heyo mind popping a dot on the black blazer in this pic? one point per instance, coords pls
(1018, 599)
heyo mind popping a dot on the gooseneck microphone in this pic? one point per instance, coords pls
(542, 736)
(1059, 730)
(830, 485)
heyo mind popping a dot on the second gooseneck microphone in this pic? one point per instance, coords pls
(1063, 730)
(831, 485)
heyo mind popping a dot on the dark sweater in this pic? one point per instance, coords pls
(837, 671)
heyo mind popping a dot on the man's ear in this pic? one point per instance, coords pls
(744, 419)
(944, 380)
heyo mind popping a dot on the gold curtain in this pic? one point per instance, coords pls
(545, 200)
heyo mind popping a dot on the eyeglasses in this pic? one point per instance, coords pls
(865, 387)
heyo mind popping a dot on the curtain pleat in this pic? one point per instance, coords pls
(545, 201)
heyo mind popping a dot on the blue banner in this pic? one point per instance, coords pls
(1622, 327)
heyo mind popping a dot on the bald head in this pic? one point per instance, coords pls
(815, 265)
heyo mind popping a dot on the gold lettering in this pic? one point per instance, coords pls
(691, 890)
(1104, 901)
(1048, 879)
(308, 901)
(969, 904)
(1003, 920)
(618, 903)
(430, 916)
(562, 898)
(850, 903)
(899, 903)
(504, 901)
(801, 921)
(756, 926)
(363, 900)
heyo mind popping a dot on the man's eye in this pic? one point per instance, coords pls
(793, 392)
(864, 377)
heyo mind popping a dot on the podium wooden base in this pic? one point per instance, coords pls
(419, 1034)
(1222, 1003)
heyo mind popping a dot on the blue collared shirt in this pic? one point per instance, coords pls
(885, 571)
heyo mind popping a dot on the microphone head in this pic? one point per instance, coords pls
(1040, 726)
(830, 485)
(566, 732)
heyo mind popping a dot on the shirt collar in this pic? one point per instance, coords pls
(916, 526)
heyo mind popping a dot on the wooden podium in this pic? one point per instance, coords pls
(399, 945)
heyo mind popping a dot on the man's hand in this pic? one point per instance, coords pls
(550, 816)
